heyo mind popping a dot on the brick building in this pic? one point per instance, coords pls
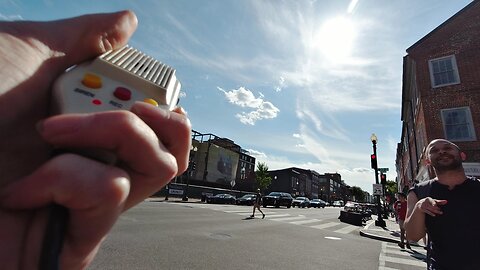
(441, 95)
(301, 182)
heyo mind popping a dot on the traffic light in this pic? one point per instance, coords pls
(192, 165)
(373, 160)
(383, 179)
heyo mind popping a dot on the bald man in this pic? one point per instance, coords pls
(446, 208)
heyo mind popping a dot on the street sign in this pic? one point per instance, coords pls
(383, 170)
(377, 189)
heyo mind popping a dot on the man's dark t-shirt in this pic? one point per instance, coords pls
(454, 235)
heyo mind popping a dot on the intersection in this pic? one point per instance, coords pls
(169, 235)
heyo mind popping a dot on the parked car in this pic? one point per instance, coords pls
(247, 199)
(277, 199)
(301, 202)
(352, 207)
(222, 199)
(337, 203)
(317, 203)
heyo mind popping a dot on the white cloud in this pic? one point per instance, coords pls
(281, 84)
(361, 177)
(15, 17)
(256, 153)
(246, 99)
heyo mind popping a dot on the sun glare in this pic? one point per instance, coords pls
(335, 39)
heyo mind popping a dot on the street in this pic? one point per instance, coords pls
(166, 235)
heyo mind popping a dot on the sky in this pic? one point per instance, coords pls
(296, 83)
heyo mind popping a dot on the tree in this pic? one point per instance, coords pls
(391, 187)
(358, 194)
(261, 175)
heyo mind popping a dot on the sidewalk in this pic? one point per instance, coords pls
(391, 233)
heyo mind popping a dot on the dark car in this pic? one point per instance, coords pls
(301, 202)
(317, 203)
(277, 199)
(247, 199)
(222, 199)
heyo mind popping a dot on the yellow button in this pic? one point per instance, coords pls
(151, 101)
(92, 81)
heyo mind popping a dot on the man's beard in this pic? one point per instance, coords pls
(454, 165)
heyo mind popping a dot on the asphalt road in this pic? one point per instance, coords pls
(165, 235)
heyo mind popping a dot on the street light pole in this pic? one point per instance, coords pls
(189, 170)
(379, 222)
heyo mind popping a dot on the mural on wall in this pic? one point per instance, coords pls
(222, 165)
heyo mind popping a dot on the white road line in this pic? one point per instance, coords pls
(387, 268)
(288, 218)
(402, 261)
(347, 229)
(275, 216)
(417, 254)
(381, 259)
(325, 225)
(237, 211)
(301, 222)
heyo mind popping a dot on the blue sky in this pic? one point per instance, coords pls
(297, 83)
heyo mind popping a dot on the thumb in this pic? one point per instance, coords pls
(74, 40)
(86, 36)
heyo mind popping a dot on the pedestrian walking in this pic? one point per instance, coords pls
(400, 207)
(257, 203)
(446, 207)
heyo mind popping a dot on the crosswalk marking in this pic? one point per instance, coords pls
(325, 225)
(284, 217)
(409, 259)
(402, 261)
(387, 268)
(416, 254)
(289, 218)
(276, 216)
(237, 211)
(347, 229)
(301, 222)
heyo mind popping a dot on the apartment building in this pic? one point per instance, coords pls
(441, 95)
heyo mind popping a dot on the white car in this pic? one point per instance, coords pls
(337, 203)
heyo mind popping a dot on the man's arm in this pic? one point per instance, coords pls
(415, 220)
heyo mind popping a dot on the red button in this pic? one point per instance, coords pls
(97, 102)
(122, 93)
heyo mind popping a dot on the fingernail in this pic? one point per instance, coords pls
(147, 110)
(180, 110)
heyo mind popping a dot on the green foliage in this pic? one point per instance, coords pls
(263, 178)
(358, 193)
(391, 187)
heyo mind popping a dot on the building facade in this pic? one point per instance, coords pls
(308, 183)
(220, 163)
(441, 95)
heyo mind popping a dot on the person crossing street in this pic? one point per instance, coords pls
(257, 203)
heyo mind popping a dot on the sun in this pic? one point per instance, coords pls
(335, 39)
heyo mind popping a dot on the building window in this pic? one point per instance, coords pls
(458, 124)
(443, 71)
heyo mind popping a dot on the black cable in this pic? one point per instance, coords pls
(53, 238)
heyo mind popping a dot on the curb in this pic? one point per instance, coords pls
(377, 237)
(385, 238)
(172, 200)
